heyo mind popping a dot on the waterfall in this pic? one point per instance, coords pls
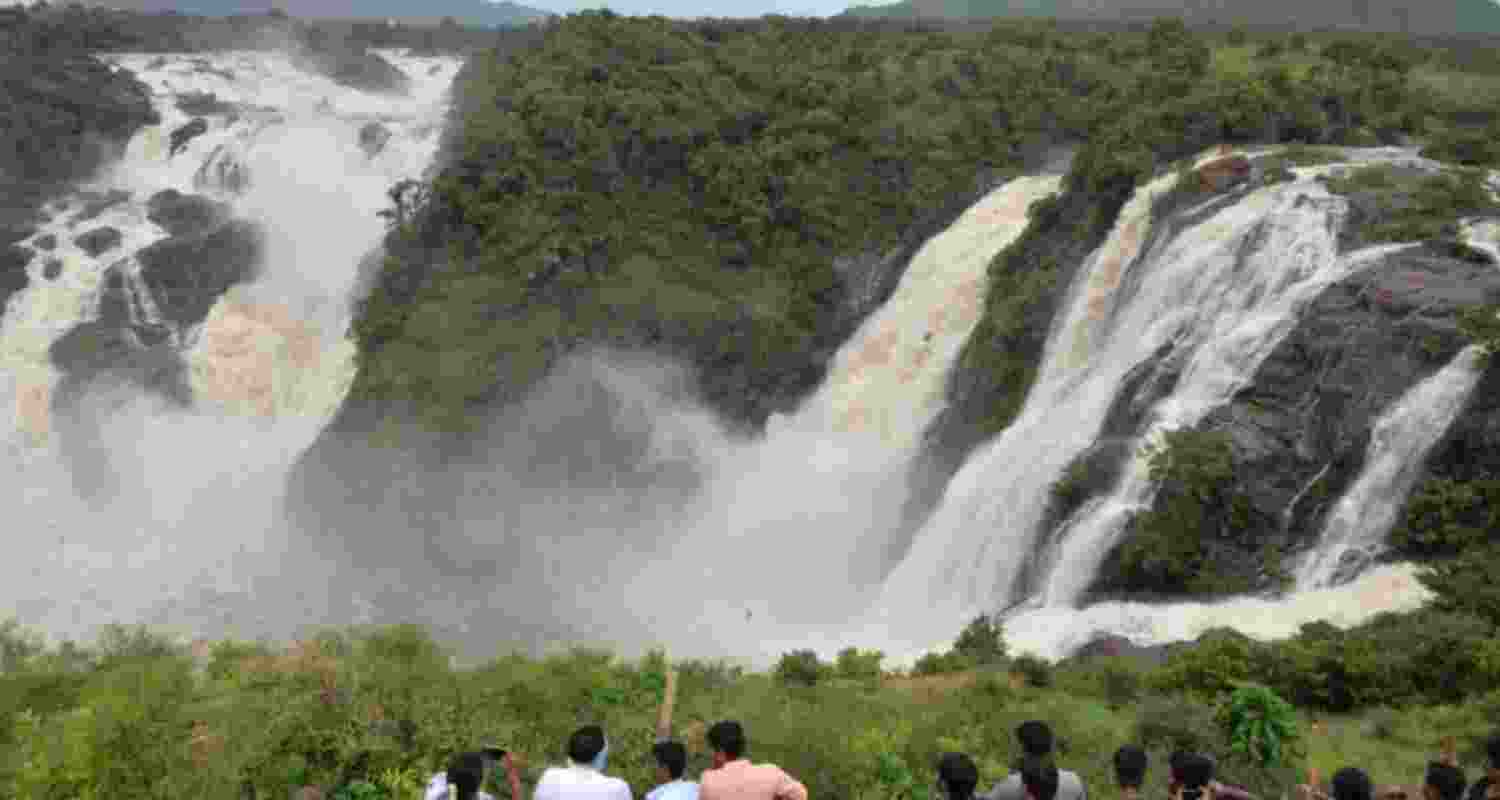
(1217, 296)
(267, 367)
(1399, 443)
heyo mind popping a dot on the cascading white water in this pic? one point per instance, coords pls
(789, 529)
(1223, 293)
(1399, 443)
(268, 366)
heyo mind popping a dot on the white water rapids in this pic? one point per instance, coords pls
(785, 544)
(268, 367)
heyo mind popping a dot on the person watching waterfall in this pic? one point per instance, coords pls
(583, 778)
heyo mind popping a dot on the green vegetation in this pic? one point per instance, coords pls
(980, 644)
(371, 714)
(687, 187)
(1166, 550)
(1411, 206)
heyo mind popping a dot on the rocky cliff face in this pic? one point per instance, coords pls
(1300, 431)
(63, 114)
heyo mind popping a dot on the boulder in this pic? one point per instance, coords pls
(47, 242)
(373, 137)
(185, 214)
(222, 171)
(13, 278)
(186, 133)
(98, 240)
(52, 269)
(187, 274)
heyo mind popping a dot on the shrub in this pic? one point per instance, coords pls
(1258, 724)
(856, 664)
(982, 641)
(1175, 723)
(939, 663)
(801, 668)
(1036, 671)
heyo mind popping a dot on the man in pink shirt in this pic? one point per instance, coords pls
(733, 777)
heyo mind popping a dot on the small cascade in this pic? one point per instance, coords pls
(1354, 533)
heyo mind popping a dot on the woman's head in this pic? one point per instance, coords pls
(957, 776)
(1193, 772)
(466, 775)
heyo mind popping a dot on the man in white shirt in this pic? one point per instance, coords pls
(671, 763)
(583, 778)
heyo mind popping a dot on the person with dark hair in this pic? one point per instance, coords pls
(1039, 778)
(1222, 791)
(733, 777)
(1036, 741)
(1488, 785)
(467, 772)
(958, 777)
(1444, 782)
(583, 778)
(1352, 783)
(671, 763)
(1195, 778)
(1130, 770)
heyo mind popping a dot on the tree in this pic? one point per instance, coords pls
(982, 641)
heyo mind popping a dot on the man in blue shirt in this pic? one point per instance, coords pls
(671, 762)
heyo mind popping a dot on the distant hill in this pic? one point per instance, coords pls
(472, 13)
(1423, 17)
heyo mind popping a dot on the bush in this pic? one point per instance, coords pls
(1176, 723)
(801, 668)
(856, 664)
(982, 641)
(940, 663)
(1258, 725)
(1036, 671)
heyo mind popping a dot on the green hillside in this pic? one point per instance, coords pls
(1430, 17)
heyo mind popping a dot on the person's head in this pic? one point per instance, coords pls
(727, 739)
(1351, 783)
(1130, 766)
(1492, 749)
(493, 756)
(587, 746)
(957, 776)
(1444, 782)
(1194, 772)
(1174, 769)
(1039, 777)
(466, 775)
(1035, 738)
(671, 761)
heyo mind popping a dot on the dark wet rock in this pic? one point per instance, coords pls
(68, 113)
(52, 269)
(201, 104)
(373, 137)
(96, 203)
(187, 274)
(1112, 646)
(15, 232)
(13, 278)
(185, 214)
(186, 133)
(1300, 430)
(98, 240)
(47, 242)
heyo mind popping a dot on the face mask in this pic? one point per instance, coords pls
(601, 759)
